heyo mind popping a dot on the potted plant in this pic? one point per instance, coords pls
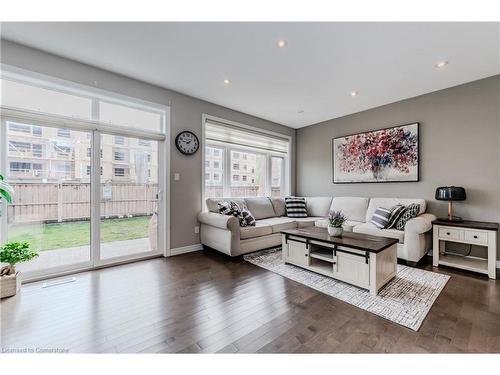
(12, 253)
(335, 221)
(6, 192)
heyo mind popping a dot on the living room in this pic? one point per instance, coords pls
(250, 187)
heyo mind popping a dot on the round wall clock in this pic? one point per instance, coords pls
(187, 142)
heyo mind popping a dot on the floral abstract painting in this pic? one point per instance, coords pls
(386, 155)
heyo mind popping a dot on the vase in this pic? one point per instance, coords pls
(335, 231)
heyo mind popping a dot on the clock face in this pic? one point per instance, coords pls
(187, 142)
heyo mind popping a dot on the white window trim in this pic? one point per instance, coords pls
(287, 170)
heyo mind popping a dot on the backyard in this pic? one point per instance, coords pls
(73, 234)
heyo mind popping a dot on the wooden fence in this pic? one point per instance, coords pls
(58, 202)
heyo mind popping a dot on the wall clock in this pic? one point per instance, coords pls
(187, 142)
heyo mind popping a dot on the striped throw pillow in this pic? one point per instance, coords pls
(295, 207)
(380, 217)
(396, 213)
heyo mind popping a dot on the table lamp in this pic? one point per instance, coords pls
(450, 194)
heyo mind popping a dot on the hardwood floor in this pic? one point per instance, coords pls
(206, 302)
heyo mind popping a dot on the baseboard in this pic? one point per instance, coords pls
(498, 263)
(186, 249)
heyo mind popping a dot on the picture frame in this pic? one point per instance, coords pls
(377, 156)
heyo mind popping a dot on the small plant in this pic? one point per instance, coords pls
(336, 218)
(13, 253)
(6, 191)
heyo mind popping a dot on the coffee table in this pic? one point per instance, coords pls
(359, 259)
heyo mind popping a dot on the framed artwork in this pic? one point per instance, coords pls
(385, 155)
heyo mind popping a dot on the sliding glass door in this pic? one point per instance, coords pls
(47, 168)
(129, 193)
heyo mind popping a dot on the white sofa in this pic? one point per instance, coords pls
(223, 233)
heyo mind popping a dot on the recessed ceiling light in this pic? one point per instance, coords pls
(227, 81)
(281, 43)
(441, 64)
(354, 93)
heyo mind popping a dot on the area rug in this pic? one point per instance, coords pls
(405, 300)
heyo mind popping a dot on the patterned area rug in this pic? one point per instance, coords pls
(405, 300)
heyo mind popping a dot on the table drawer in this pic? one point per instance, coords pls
(451, 234)
(476, 237)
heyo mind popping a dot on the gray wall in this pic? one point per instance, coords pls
(459, 145)
(186, 114)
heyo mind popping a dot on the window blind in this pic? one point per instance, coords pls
(221, 132)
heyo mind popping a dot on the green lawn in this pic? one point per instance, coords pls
(63, 235)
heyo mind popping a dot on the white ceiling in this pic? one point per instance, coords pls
(315, 73)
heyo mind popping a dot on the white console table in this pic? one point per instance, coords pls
(466, 232)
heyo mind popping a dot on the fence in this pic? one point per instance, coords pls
(58, 202)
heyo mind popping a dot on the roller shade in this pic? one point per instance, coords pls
(220, 132)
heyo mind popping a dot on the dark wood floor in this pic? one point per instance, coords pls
(205, 302)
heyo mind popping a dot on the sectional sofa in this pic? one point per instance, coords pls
(223, 232)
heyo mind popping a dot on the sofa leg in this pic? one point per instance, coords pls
(411, 264)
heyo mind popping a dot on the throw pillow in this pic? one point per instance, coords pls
(410, 212)
(224, 208)
(295, 207)
(244, 216)
(396, 213)
(381, 217)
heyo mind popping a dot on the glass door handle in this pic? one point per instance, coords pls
(159, 195)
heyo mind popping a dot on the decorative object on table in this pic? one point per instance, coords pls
(296, 207)
(386, 155)
(13, 253)
(450, 194)
(467, 232)
(335, 221)
(187, 142)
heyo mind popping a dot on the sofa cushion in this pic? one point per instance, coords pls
(318, 206)
(391, 202)
(280, 223)
(348, 224)
(296, 207)
(213, 203)
(369, 228)
(260, 229)
(278, 205)
(303, 222)
(260, 207)
(352, 207)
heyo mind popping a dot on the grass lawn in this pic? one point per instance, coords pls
(63, 235)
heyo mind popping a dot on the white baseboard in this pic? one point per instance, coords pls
(186, 249)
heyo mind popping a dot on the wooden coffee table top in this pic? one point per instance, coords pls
(359, 241)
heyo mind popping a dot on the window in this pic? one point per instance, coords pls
(20, 128)
(37, 150)
(144, 142)
(37, 131)
(19, 146)
(37, 166)
(119, 172)
(207, 176)
(64, 133)
(207, 163)
(88, 170)
(149, 158)
(257, 161)
(16, 166)
(122, 115)
(119, 140)
(89, 152)
(119, 156)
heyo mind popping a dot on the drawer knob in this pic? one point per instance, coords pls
(475, 236)
(448, 233)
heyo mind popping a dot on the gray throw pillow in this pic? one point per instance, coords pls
(381, 217)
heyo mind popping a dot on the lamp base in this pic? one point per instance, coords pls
(454, 219)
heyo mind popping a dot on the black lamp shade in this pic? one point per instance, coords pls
(450, 193)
